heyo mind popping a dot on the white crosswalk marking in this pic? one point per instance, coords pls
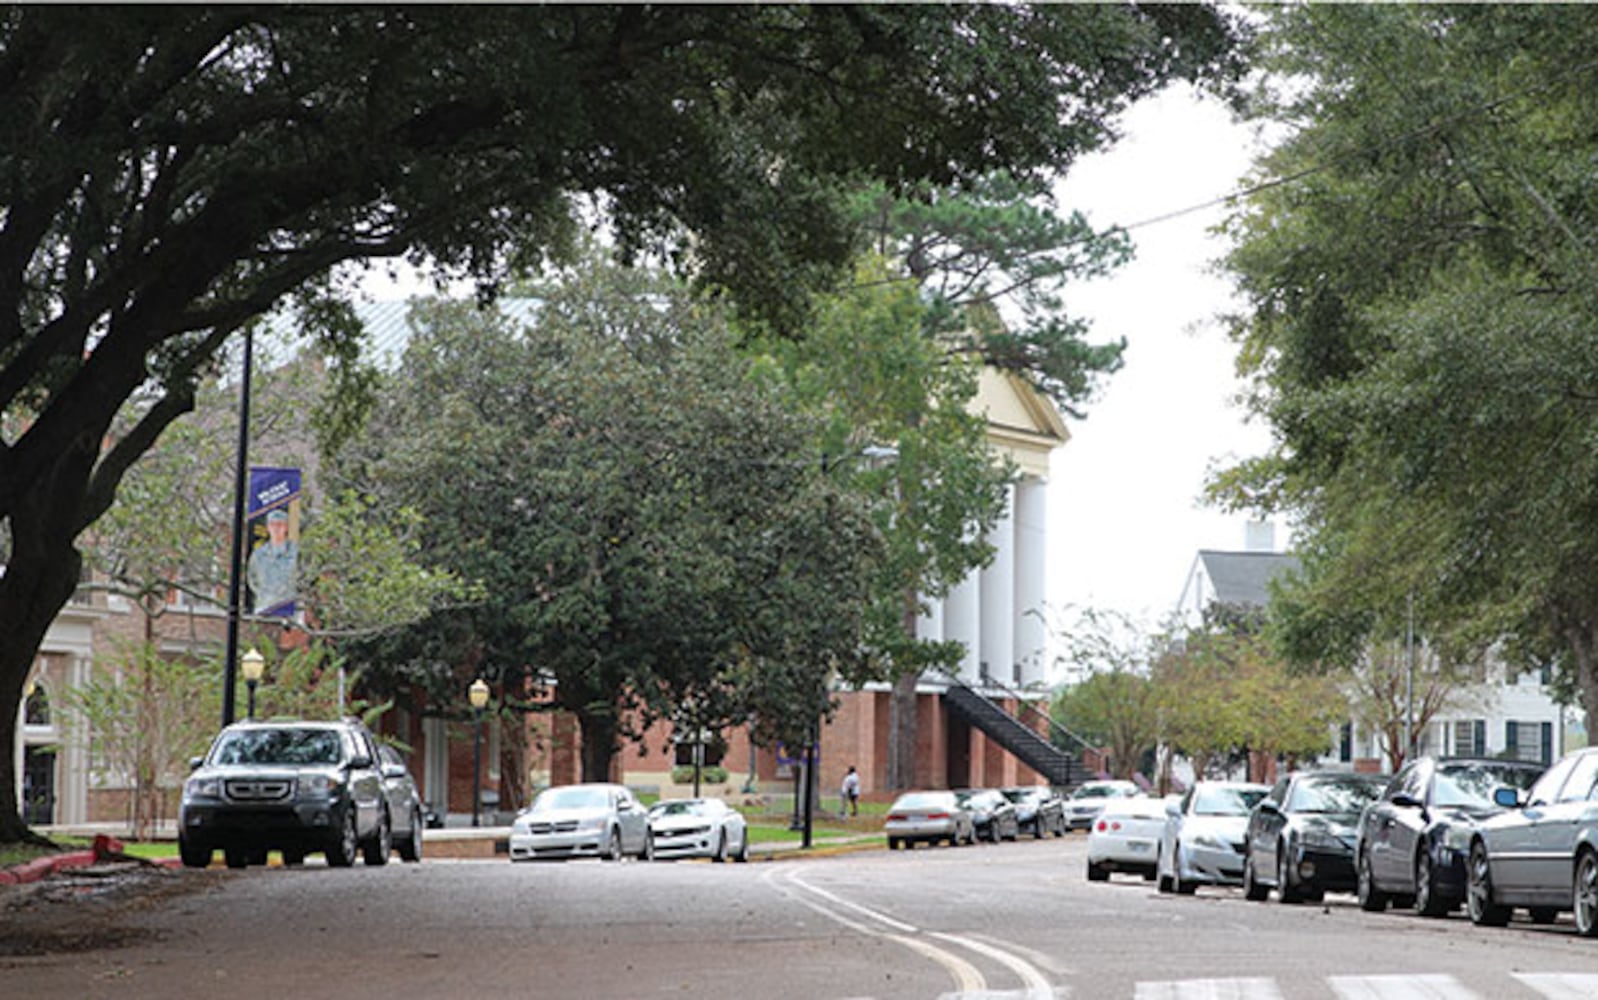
(1210, 989)
(1399, 988)
(1561, 985)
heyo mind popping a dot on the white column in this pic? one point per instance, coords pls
(962, 622)
(1031, 579)
(998, 598)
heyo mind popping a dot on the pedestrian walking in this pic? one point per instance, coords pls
(851, 792)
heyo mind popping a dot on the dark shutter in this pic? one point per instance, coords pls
(1511, 743)
(1548, 743)
(1479, 738)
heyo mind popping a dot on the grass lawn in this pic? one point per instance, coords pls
(16, 854)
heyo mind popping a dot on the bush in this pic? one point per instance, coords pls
(710, 774)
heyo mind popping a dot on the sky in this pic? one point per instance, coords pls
(1125, 519)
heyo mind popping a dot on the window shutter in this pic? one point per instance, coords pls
(1511, 743)
(1548, 743)
(1479, 738)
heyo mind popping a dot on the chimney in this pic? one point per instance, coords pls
(1259, 536)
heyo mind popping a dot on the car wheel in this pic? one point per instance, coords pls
(1585, 897)
(1252, 889)
(612, 850)
(1180, 886)
(1427, 902)
(1286, 892)
(721, 849)
(193, 855)
(1479, 891)
(1371, 899)
(647, 852)
(893, 843)
(954, 839)
(1098, 873)
(993, 832)
(341, 852)
(376, 851)
(410, 849)
(742, 857)
(1037, 828)
(236, 857)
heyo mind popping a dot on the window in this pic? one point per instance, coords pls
(1531, 741)
(1579, 786)
(37, 712)
(1546, 789)
(1470, 738)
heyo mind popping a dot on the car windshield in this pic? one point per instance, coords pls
(1219, 800)
(660, 809)
(571, 798)
(1095, 792)
(1472, 785)
(1342, 793)
(1023, 794)
(278, 746)
(925, 800)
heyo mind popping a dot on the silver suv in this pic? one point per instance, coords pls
(295, 787)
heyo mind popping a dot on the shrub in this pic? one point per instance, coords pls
(710, 774)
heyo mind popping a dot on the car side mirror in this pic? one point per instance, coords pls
(1266, 805)
(1407, 801)
(195, 762)
(393, 770)
(1509, 798)
(360, 760)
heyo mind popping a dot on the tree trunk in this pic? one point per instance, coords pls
(1584, 647)
(599, 743)
(902, 733)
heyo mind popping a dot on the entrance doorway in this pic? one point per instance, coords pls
(38, 786)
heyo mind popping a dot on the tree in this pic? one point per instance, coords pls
(1111, 700)
(649, 522)
(172, 172)
(1397, 699)
(1419, 301)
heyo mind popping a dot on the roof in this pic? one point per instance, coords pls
(1243, 578)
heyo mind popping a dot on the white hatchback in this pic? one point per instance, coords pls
(1125, 837)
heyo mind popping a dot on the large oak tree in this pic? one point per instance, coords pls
(169, 173)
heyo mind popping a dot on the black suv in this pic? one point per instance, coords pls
(295, 787)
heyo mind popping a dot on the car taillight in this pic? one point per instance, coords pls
(937, 815)
(896, 817)
(1103, 826)
(1116, 825)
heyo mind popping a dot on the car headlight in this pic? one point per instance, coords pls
(202, 788)
(590, 823)
(520, 825)
(320, 786)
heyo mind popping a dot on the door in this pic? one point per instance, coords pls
(38, 786)
(1519, 846)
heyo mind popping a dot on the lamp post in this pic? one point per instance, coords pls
(254, 665)
(478, 695)
(236, 554)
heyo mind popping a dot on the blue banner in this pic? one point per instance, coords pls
(273, 512)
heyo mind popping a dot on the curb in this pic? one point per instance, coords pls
(105, 849)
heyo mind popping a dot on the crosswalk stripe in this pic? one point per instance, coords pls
(1399, 988)
(1561, 985)
(1209, 989)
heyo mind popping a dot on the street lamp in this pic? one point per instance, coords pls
(254, 665)
(478, 695)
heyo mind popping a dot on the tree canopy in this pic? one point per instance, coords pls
(1418, 327)
(171, 172)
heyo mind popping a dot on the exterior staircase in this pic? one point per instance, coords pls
(1061, 768)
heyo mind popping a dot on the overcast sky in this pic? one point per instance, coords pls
(1126, 521)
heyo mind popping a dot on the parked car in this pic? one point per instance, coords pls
(1037, 810)
(407, 815)
(1089, 797)
(1126, 837)
(992, 814)
(1413, 841)
(1202, 841)
(1301, 835)
(294, 787)
(928, 817)
(1542, 852)
(573, 821)
(698, 828)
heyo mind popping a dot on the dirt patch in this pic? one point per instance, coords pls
(90, 909)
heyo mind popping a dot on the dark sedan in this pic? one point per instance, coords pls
(1414, 840)
(1301, 836)
(1038, 810)
(992, 814)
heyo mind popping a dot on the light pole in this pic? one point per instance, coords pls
(478, 695)
(254, 665)
(236, 556)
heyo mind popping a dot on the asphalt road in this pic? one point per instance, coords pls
(1012, 920)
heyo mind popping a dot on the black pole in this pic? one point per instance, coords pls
(798, 822)
(477, 766)
(230, 668)
(251, 686)
(812, 758)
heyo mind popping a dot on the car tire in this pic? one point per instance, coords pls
(1371, 899)
(1178, 885)
(1098, 873)
(375, 851)
(1286, 892)
(1427, 902)
(893, 843)
(742, 857)
(1479, 902)
(236, 857)
(341, 851)
(647, 852)
(1253, 890)
(1584, 897)
(720, 856)
(1038, 832)
(954, 839)
(993, 832)
(410, 849)
(193, 855)
(612, 850)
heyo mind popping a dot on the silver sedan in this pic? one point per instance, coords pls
(929, 817)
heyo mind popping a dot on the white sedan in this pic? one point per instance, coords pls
(1204, 834)
(1126, 838)
(698, 828)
